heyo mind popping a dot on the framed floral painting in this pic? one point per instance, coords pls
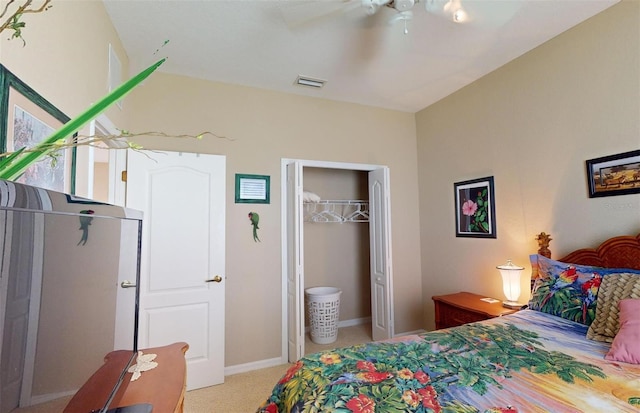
(475, 208)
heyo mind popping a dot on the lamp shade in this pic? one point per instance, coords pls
(511, 283)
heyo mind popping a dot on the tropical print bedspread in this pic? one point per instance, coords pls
(522, 363)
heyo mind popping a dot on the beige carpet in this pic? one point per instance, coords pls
(245, 392)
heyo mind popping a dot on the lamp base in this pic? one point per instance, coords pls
(513, 305)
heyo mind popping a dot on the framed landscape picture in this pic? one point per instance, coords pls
(475, 208)
(26, 119)
(614, 174)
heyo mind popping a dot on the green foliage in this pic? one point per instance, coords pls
(16, 25)
(480, 221)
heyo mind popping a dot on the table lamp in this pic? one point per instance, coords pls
(511, 283)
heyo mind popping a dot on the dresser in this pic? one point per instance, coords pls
(453, 310)
(163, 387)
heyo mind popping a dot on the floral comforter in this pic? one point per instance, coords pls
(522, 363)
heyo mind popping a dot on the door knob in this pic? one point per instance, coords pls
(215, 279)
(127, 284)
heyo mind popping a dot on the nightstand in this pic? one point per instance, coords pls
(461, 308)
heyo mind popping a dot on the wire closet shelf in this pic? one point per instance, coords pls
(337, 211)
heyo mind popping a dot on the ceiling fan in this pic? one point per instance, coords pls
(404, 8)
(309, 11)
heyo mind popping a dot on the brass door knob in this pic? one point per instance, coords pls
(215, 279)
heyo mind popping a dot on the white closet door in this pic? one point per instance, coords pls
(295, 267)
(380, 256)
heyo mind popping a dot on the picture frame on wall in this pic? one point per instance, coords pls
(26, 119)
(614, 174)
(475, 208)
(252, 189)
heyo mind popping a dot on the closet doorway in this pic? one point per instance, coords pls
(379, 249)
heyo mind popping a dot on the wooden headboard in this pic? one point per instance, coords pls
(616, 252)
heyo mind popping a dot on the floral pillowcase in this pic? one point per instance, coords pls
(567, 290)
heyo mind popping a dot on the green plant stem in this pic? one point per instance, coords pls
(20, 164)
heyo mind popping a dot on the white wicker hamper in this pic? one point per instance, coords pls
(323, 305)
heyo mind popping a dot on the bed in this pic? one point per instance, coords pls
(574, 349)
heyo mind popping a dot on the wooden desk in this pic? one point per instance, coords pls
(453, 310)
(163, 387)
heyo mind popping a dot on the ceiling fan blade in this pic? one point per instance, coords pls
(298, 13)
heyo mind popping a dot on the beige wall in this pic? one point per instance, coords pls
(266, 127)
(532, 124)
(65, 60)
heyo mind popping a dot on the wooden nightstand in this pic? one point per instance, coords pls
(461, 308)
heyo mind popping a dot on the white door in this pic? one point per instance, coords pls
(182, 282)
(295, 265)
(380, 255)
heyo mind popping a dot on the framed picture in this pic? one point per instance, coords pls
(26, 119)
(614, 175)
(475, 208)
(252, 189)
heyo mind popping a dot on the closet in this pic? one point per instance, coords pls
(336, 239)
(337, 253)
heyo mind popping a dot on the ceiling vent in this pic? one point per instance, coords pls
(310, 82)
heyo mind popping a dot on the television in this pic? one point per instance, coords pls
(69, 271)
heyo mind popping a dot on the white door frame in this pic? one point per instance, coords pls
(102, 125)
(284, 192)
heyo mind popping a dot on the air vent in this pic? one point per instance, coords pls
(310, 82)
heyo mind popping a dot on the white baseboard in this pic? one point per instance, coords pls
(255, 365)
(408, 333)
(354, 322)
(263, 364)
(348, 323)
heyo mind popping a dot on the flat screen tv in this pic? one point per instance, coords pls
(69, 271)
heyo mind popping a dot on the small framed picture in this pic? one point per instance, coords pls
(252, 189)
(614, 174)
(475, 208)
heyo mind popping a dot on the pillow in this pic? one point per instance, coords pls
(567, 290)
(614, 288)
(626, 344)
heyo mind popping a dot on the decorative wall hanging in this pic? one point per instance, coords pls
(475, 208)
(252, 189)
(27, 119)
(255, 220)
(85, 221)
(614, 175)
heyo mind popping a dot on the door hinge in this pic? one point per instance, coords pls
(123, 176)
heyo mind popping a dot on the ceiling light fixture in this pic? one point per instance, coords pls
(454, 7)
(309, 82)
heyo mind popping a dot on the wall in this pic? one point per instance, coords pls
(532, 124)
(65, 60)
(263, 127)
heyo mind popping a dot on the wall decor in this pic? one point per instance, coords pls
(475, 208)
(252, 189)
(255, 220)
(614, 174)
(26, 119)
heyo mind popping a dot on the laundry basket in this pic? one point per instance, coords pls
(323, 304)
